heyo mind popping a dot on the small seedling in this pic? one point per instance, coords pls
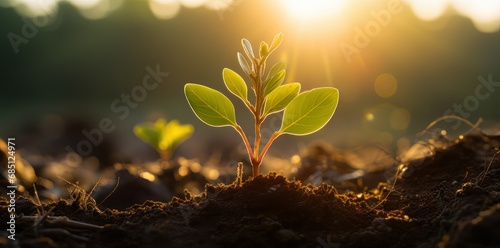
(304, 113)
(163, 136)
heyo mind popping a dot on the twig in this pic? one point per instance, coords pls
(60, 231)
(112, 191)
(38, 199)
(65, 221)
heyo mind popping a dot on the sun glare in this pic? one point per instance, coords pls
(306, 10)
(485, 14)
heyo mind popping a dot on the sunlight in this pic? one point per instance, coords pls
(164, 9)
(36, 8)
(84, 4)
(485, 14)
(306, 10)
(428, 10)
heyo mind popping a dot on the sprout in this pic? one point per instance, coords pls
(304, 113)
(163, 136)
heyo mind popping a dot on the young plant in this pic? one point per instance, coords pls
(304, 113)
(163, 136)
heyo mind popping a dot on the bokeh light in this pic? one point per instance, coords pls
(386, 85)
(428, 10)
(485, 14)
(164, 9)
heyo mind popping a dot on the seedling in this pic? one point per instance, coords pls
(304, 113)
(163, 136)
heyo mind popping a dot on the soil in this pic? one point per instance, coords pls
(450, 198)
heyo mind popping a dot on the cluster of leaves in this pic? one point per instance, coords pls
(163, 136)
(304, 113)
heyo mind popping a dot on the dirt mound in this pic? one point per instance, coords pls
(450, 198)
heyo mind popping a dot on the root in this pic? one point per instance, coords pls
(447, 117)
(483, 174)
(398, 172)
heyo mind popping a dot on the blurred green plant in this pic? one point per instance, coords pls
(304, 113)
(163, 136)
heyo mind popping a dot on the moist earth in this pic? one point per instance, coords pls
(448, 198)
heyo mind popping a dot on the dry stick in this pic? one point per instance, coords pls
(489, 165)
(64, 232)
(86, 196)
(112, 191)
(42, 218)
(38, 199)
(239, 174)
(65, 221)
(92, 190)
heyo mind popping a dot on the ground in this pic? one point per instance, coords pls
(448, 198)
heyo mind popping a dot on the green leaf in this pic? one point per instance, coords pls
(280, 66)
(162, 136)
(148, 133)
(173, 134)
(264, 49)
(310, 111)
(273, 82)
(210, 106)
(248, 48)
(244, 64)
(235, 83)
(276, 42)
(280, 97)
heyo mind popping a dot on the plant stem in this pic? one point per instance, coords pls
(245, 140)
(259, 100)
(253, 159)
(268, 144)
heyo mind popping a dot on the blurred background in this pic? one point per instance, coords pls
(399, 65)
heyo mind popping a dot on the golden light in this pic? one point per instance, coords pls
(386, 85)
(183, 171)
(148, 176)
(195, 167)
(485, 14)
(369, 116)
(84, 4)
(306, 10)
(428, 10)
(164, 9)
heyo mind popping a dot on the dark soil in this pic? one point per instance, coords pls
(448, 199)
